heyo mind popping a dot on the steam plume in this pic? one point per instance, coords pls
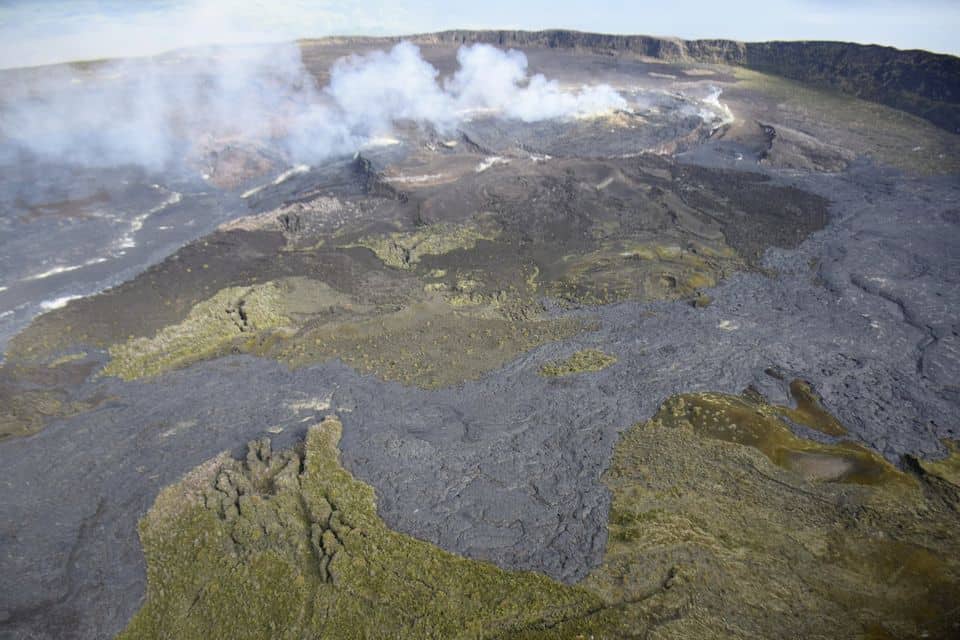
(150, 111)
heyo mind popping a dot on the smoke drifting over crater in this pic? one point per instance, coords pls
(157, 111)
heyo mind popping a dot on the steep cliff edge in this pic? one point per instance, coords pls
(919, 82)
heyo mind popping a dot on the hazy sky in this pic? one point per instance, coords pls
(45, 31)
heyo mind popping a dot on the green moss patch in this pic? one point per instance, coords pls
(24, 412)
(430, 344)
(947, 468)
(810, 412)
(708, 504)
(210, 327)
(621, 271)
(404, 249)
(580, 362)
(289, 545)
(754, 423)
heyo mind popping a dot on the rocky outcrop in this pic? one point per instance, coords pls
(919, 82)
(791, 149)
(371, 182)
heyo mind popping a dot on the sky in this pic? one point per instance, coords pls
(36, 32)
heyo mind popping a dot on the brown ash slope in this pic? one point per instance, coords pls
(420, 293)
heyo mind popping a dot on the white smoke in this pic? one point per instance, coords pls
(151, 111)
(492, 79)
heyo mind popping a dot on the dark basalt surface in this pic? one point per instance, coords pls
(507, 468)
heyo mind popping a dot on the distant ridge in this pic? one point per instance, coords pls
(919, 82)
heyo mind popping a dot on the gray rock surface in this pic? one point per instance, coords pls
(507, 468)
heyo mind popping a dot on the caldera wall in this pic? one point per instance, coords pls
(922, 83)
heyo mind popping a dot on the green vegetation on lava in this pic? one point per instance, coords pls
(583, 361)
(722, 524)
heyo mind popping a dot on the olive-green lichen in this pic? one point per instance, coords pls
(752, 422)
(404, 249)
(509, 293)
(622, 271)
(708, 503)
(210, 327)
(809, 411)
(947, 468)
(24, 412)
(301, 321)
(289, 545)
(67, 359)
(580, 362)
(709, 536)
(429, 344)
